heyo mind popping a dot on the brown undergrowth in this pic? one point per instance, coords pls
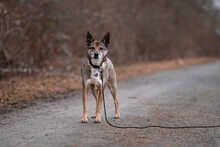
(19, 92)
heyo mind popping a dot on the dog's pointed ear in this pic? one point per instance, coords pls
(89, 38)
(106, 39)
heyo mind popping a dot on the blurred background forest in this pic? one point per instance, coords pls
(43, 42)
(50, 34)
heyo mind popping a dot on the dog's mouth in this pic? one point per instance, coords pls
(96, 61)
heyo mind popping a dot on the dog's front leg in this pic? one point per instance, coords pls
(99, 106)
(85, 102)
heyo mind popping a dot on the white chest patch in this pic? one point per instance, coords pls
(95, 74)
(95, 77)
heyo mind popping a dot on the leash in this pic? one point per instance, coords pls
(150, 126)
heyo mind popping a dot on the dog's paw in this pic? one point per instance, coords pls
(117, 116)
(84, 121)
(98, 120)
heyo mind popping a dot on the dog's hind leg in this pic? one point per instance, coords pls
(95, 94)
(113, 89)
(99, 106)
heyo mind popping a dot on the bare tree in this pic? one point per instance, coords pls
(8, 28)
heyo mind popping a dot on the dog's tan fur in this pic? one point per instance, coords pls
(109, 76)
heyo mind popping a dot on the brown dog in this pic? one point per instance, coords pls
(95, 64)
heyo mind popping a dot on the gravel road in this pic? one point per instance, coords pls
(186, 96)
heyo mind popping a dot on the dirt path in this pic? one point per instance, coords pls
(188, 96)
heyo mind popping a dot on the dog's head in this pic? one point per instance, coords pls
(97, 50)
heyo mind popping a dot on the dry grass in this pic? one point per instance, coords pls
(20, 91)
(150, 67)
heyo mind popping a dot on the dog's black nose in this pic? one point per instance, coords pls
(96, 55)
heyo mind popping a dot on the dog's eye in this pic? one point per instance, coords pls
(101, 48)
(91, 48)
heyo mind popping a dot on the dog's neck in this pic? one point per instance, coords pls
(96, 66)
(96, 72)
